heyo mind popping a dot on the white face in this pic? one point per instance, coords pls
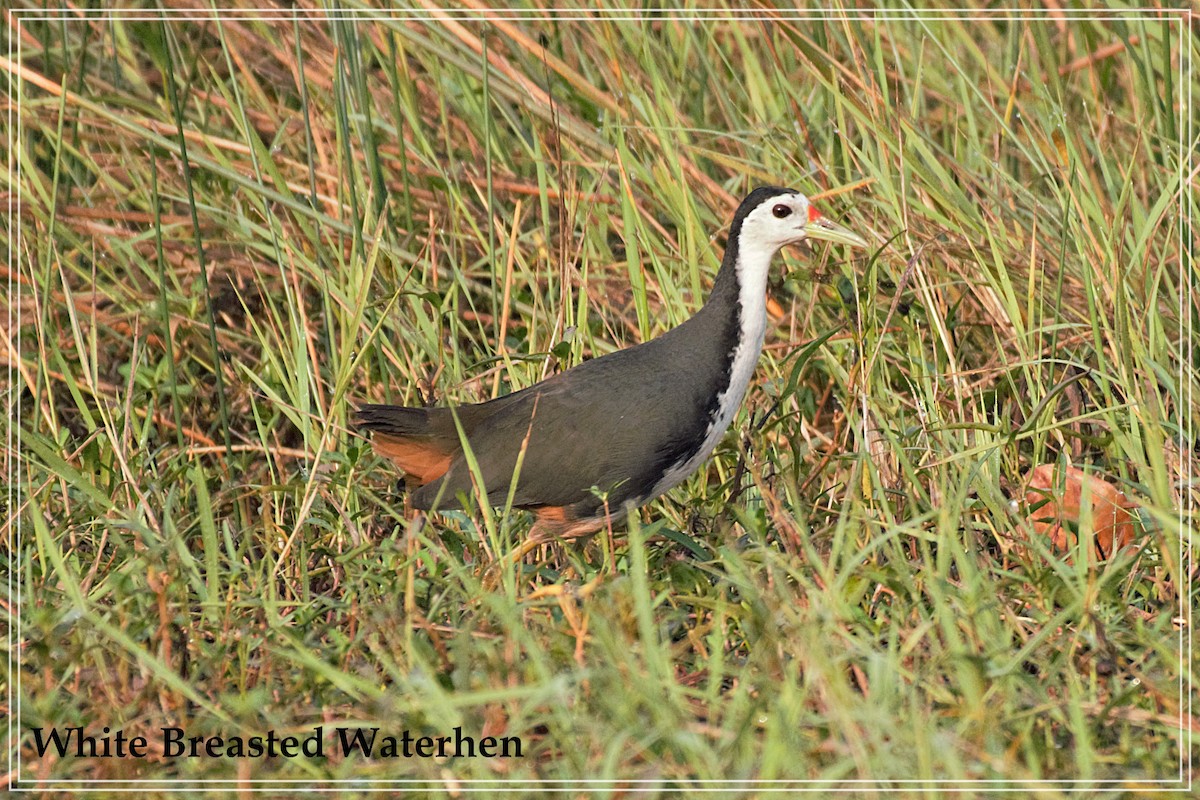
(776, 222)
(790, 218)
(781, 220)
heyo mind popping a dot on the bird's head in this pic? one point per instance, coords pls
(771, 217)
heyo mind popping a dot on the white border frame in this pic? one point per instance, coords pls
(1186, 126)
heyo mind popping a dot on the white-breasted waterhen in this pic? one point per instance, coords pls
(587, 445)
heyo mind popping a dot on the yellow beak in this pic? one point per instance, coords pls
(826, 230)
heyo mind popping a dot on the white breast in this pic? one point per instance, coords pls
(752, 267)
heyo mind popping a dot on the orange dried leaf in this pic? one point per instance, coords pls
(1054, 497)
(1060, 146)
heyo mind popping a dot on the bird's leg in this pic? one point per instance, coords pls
(552, 524)
(541, 533)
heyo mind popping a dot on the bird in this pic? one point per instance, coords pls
(585, 446)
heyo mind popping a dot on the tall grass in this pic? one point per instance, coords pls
(214, 259)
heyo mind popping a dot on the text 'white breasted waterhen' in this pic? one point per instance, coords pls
(587, 445)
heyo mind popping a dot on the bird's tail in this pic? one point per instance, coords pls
(394, 420)
(413, 438)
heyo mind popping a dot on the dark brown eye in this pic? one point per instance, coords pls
(780, 211)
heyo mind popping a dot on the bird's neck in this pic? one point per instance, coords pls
(729, 330)
(739, 294)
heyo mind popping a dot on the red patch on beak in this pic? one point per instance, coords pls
(813, 214)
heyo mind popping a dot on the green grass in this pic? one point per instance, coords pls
(844, 593)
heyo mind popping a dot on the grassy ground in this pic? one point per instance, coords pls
(213, 260)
